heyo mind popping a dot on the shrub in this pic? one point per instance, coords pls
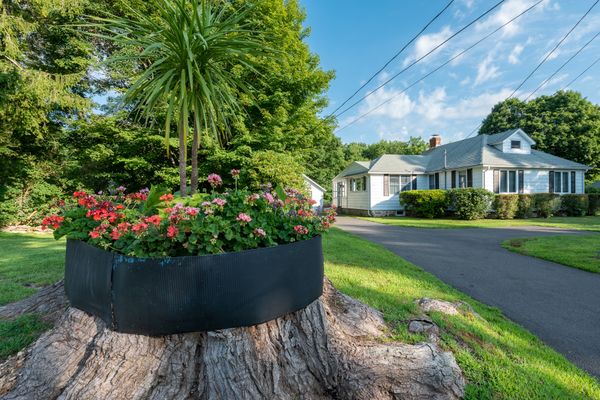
(470, 203)
(425, 203)
(525, 206)
(506, 205)
(546, 204)
(153, 224)
(574, 205)
(594, 203)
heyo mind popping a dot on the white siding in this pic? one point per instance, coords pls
(488, 179)
(525, 146)
(379, 202)
(317, 195)
(355, 200)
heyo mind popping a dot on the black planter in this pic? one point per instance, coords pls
(194, 293)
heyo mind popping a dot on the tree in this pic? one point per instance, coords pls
(564, 124)
(189, 51)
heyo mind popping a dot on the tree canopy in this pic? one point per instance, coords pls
(564, 124)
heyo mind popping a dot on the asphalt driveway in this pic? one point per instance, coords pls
(561, 305)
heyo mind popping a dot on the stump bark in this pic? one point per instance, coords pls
(335, 348)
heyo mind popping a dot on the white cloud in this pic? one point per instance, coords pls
(476, 107)
(513, 57)
(425, 43)
(465, 81)
(486, 70)
(432, 106)
(398, 106)
(508, 11)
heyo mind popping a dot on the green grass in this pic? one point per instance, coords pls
(27, 262)
(500, 359)
(581, 252)
(19, 333)
(591, 223)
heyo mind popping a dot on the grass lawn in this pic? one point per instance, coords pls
(581, 252)
(591, 223)
(500, 359)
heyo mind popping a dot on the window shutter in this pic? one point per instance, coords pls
(551, 182)
(414, 182)
(386, 185)
(437, 180)
(496, 181)
(573, 181)
(453, 179)
(470, 177)
(521, 181)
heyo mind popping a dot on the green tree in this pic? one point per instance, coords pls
(564, 124)
(189, 51)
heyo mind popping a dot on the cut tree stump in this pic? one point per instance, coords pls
(335, 348)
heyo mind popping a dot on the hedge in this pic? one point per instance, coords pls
(470, 203)
(506, 205)
(546, 204)
(594, 204)
(425, 203)
(574, 205)
(525, 206)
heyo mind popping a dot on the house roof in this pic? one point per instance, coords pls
(315, 184)
(478, 150)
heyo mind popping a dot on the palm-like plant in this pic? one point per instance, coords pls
(186, 52)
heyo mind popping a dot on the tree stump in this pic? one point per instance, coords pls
(333, 349)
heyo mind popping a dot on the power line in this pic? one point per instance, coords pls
(562, 66)
(394, 57)
(438, 67)
(581, 74)
(421, 58)
(553, 50)
(542, 62)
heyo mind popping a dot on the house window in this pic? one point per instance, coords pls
(462, 179)
(561, 182)
(509, 183)
(406, 182)
(515, 144)
(358, 184)
(394, 184)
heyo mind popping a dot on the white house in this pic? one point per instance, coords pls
(502, 163)
(316, 192)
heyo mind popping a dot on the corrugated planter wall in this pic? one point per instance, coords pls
(193, 293)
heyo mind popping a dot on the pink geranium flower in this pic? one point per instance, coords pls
(243, 217)
(260, 232)
(214, 180)
(172, 231)
(219, 201)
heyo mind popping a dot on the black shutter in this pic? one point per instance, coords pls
(453, 179)
(496, 181)
(551, 182)
(470, 177)
(573, 181)
(437, 180)
(386, 185)
(414, 182)
(431, 181)
(521, 181)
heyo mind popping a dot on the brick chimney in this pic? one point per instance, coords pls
(435, 141)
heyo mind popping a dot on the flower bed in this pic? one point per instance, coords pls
(149, 263)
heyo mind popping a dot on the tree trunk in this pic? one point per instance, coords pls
(195, 144)
(333, 349)
(182, 163)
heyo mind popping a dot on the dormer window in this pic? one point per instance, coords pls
(515, 144)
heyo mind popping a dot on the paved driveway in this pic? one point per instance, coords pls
(561, 305)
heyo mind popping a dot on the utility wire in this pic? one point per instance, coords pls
(394, 57)
(438, 67)
(581, 74)
(553, 50)
(561, 67)
(541, 62)
(421, 58)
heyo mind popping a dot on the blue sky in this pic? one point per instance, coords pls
(355, 38)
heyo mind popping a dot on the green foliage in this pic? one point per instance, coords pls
(425, 203)
(19, 333)
(594, 204)
(525, 206)
(564, 124)
(278, 169)
(470, 203)
(546, 204)
(574, 205)
(506, 205)
(361, 151)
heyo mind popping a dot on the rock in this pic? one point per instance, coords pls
(445, 307)
(422, 325)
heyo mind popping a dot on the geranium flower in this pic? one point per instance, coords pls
(172, 231)
(121, 189)
(54, 221)
(243, 218)
(235, 173)
(301, 229)
(166, 197)
(154, 220)
(139, 227)
(219, 201)
(114, 235)
(253, 197)
(269, 197)
(191, 211)
(94, 234)
(214, 180)
(259, 232)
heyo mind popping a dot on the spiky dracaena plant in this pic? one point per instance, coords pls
(187, 51)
